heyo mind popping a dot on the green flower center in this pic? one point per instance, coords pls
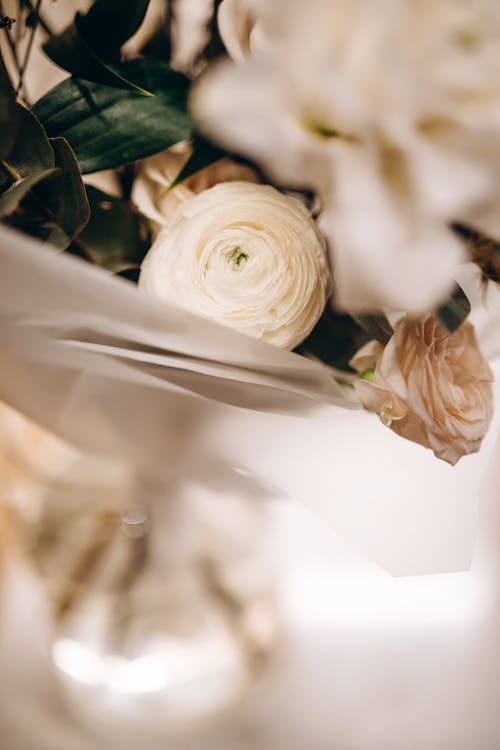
(321, 130)
(236, 258)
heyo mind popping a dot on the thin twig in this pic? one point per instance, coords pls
(41, 21)
(10, 41)
(31, 39)
(19, 22)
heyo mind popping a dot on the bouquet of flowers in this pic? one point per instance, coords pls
(248, 208)
(322, 177)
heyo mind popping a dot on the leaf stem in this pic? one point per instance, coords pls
(12, 173)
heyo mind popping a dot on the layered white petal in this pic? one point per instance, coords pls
(381, 255)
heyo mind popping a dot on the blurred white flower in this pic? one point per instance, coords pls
(150, 191)
(238, 27)
(190, 32)
(246, 256)
(391, 111)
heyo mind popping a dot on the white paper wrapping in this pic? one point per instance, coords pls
(98, 362)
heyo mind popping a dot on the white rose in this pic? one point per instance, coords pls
(429, 386)
(151, 192)
(246, 256)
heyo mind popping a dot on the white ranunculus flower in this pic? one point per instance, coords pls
(246, 256)
(389, 109)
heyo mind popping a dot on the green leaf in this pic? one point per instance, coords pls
(30, 155)
(8, 113)
(453, 312)
(334, 340)
(108, 128)
(32, 151)
(13, 196)
(45, 186)
(109, 23)
(71, 51)
(376, 326)
(31, 160)
(204, 154)
(65, 197)
(117, 237)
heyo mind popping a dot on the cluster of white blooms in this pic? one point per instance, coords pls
(389, 109)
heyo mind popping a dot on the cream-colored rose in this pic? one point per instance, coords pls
(246, 256)
(151, 192)
(429, 386)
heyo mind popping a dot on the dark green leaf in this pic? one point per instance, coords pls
(12, 197)
(71, 51)
(453, 312)
(30, 155)
(334, 340)
(204, 154)
(8, 113)
(51, 203)
(108, 128)
(109, 23)
(117, 237)
(32, 151)
(376, 326)
(65, 197)
(31, 160)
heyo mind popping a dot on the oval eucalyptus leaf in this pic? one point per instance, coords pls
(54, 207)
(71, 52)
(453, 312)
(8, 113)
(32, 151)
(107, 127)
(204, 154)
(12, 197)
(117, 237)
(65, 196)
